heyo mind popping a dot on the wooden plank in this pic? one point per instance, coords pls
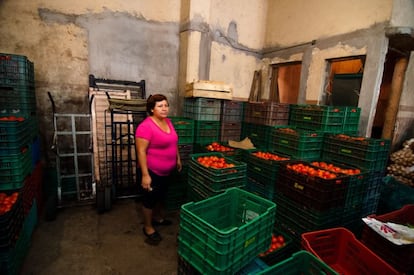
(209, 94)
(208, 86)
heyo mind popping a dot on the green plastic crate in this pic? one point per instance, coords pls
(14, 169)
(16, 70)
(193, 194)
(202, 191)
(368, 153)
(205, 109)
(206, 131)
(260, 135)
(290, 211)
(234, 154)
(318, 117)
(297, 143)
(301, 262)
(213, 186)
(218, 175)
(262, 170)
(220, 234)
(184, 128)
(352, 116)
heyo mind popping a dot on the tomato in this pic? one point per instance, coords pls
(215, 162)
(280, 239)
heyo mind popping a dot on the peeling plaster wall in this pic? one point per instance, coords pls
(402, 13)
(128, 40)
(299, 21)
(227, 38)
(234, 68)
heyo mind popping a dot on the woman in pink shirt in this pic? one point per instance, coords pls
(157, 147)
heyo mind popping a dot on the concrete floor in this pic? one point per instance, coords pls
(81, 241)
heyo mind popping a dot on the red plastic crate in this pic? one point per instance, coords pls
(339, 249)
(401, 257)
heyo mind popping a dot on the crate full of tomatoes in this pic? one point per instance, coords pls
(263, 166)
(216, 171)
(311, 186)
(280, 248)
(368, 153)
(223, 148)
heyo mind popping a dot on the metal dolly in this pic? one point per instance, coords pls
(72, 140)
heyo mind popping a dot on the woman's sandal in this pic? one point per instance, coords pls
(153, 238)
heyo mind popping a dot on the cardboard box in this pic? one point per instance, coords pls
(209, 89)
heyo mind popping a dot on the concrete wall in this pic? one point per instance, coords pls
(300, 21)
(222, 41)
(68, 40)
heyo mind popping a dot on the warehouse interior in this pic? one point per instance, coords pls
(88, 54)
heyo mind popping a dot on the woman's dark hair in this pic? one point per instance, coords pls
(152, 100)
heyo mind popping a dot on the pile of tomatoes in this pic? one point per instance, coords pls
(336, 169)
(278, 241)
(214, 162)
(7, 202)
(217, 147)
(307, 170)
(11, 118)
(268, 156)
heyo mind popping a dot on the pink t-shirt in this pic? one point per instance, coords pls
(162, 148)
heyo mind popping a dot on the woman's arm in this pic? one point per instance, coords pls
(141, 146)
(179, 164)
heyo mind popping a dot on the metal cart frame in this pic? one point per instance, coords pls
(66, 128)
(120, 122)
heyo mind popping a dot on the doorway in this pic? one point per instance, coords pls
(344, 79)
(284, 87)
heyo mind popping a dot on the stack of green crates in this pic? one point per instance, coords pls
(370, 154)
(205, 182)
(323, 118)
(177, 190)
(206, 114)
(19, 154)
(308, 203)
(224, 233)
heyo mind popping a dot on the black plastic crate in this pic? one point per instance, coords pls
(267, 113)
(312, 191)
(232, 111)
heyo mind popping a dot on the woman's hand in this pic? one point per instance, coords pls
(179, 166)
(146, 182)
